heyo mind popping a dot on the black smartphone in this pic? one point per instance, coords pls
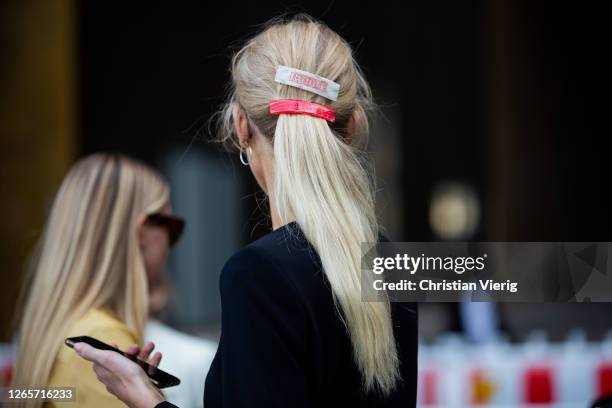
(159, 378)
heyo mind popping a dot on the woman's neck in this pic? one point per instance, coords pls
(277, 221)
(268, 187)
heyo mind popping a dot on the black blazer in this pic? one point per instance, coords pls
(283, 343)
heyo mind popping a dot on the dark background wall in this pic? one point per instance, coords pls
(152, 76)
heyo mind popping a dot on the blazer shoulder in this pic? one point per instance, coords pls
(273, 261)
(252, 269)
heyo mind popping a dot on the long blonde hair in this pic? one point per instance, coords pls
(321, 177)
(88, 257)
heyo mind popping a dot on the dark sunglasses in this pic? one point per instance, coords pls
(173, 225)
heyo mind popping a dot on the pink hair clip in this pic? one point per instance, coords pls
(300, 107)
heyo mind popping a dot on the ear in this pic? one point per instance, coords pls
(241, 125)
(140, 227)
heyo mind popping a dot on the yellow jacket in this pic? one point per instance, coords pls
(70, 370)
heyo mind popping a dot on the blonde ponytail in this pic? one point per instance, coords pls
(322, 181)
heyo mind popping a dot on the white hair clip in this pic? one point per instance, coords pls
(307, 81)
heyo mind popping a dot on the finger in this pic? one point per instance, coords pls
(154, 363)
(133, 350)
(146, 350)
(156, 359)
(114, 364)
(91, 354)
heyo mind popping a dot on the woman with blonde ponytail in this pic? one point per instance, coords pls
(295, 332)
(110, 226)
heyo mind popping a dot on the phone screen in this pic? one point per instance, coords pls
(158, 377)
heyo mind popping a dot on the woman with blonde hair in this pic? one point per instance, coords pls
(109, 226)
(295, 331)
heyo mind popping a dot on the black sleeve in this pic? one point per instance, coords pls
(263, 335)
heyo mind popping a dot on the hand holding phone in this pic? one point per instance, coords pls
(158, 377)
